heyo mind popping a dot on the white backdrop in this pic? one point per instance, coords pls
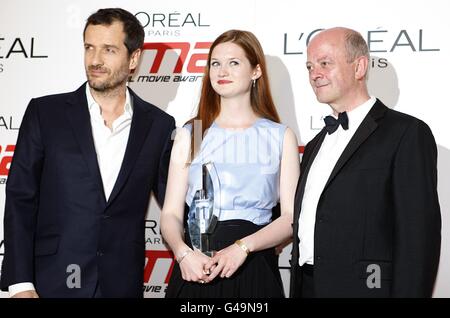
(41, 52)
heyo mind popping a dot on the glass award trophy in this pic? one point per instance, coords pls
(205, 210)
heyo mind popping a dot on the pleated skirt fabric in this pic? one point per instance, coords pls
(258, 276)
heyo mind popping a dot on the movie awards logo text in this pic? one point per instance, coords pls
(6, 155)
(157, 271)
(172, 62)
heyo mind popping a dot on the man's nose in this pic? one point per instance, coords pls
(314, 73)
(96, 58)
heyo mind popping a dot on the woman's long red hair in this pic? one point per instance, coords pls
(260, 97)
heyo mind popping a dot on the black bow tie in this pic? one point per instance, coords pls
(332, 124)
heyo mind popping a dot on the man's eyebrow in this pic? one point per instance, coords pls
(110, 45)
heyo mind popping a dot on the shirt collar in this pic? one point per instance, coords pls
(357, 115)
(94, 107)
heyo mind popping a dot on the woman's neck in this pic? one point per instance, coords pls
(236, 113)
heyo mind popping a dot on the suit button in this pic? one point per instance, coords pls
(318, 258)
(106, 216)
(99, 253)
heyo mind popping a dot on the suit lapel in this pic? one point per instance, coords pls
(140, 126)
(368, 125)
(78, 116)
(307, 160)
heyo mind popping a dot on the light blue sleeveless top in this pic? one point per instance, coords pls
(248, 166)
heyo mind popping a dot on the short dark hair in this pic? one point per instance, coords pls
(134, 32)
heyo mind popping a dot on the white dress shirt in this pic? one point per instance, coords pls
(110, 146)
(331, 149)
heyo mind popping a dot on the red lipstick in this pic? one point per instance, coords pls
(221, 82)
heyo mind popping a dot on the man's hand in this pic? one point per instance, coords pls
(26, 294)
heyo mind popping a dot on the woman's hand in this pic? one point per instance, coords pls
(226, 262)
(193, 267)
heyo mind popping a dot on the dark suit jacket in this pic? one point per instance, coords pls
(56, 213)
(379, 206)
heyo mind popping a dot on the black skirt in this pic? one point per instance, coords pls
(258, 276)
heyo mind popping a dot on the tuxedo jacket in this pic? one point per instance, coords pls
(59, 229)
(378, 217)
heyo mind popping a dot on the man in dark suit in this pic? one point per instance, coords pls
(83, 170)
(366, 219)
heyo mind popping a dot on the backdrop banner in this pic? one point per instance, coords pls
(41, 52)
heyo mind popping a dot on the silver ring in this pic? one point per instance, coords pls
(201, 281)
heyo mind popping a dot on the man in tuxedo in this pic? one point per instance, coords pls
(367, 218)
(84, 167)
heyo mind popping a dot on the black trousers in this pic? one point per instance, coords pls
(97, 293)
(305, 282)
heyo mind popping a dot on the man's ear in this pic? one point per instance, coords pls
(134, 59)
(361, 67)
